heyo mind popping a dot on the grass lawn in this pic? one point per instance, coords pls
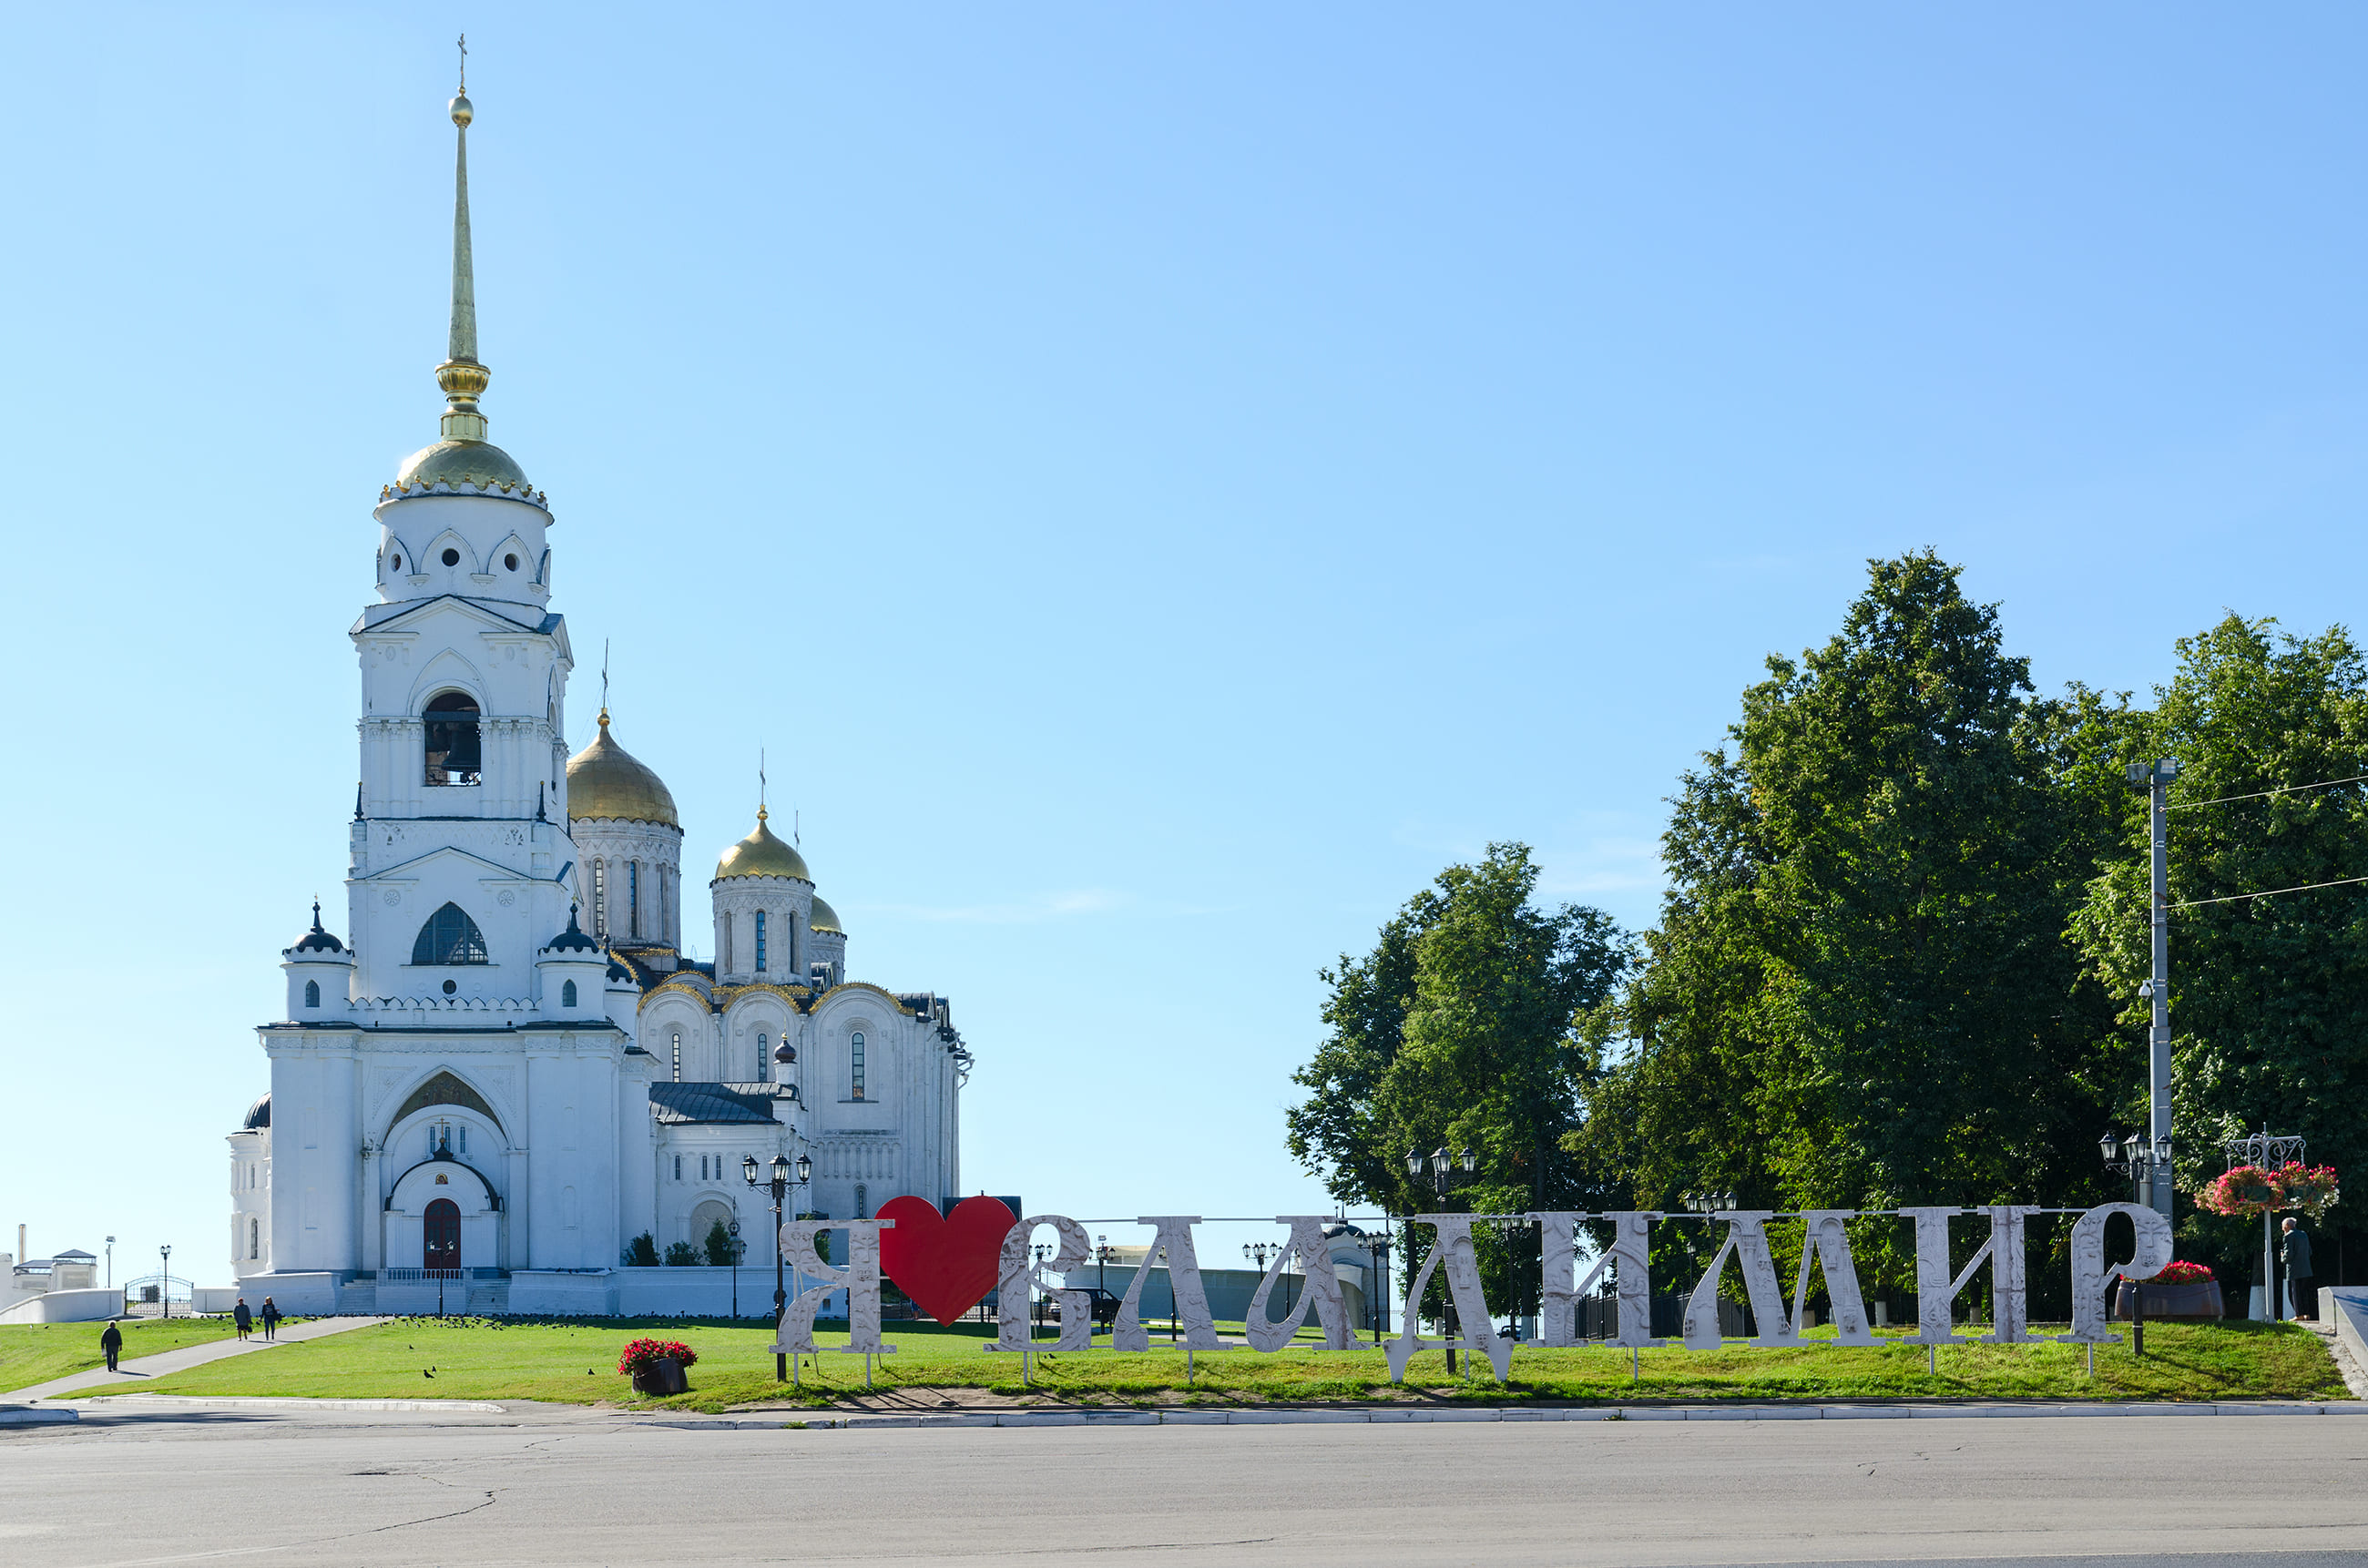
(35, 1352)
(575, 1362)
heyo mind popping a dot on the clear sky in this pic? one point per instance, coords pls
(1159, 482)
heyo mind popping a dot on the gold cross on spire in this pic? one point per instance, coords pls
(465, 65)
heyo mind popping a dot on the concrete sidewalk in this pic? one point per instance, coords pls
(145, 1367)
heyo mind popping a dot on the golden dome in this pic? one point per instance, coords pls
(762, 854)
(825, 918)
(474, 463)
(603, 780)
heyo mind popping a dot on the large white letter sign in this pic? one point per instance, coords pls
(1747, 1240)
(1019, 1273)
(1631, 1246)
(1190, 1299)
(1322, 1289)
(860, 1277)
(1453, 1243)
(2090, 1278)
(1936, 1289)
(1826, 1241)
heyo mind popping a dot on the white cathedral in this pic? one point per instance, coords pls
(508, 1072)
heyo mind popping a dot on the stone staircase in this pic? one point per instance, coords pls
(357, 1298)
(489, 1297)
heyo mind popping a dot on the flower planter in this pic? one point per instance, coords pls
(2193, 1302)
(665, 1376)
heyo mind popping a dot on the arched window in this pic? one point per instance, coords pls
(454, 753)
(761, 1073)
(567, 995)
(855, 1060)
(255, 1238)
(449, 938)
(862, 1202)
(678, 1073)
(760, 941)
(634, 899)
(600, 898)
(311, 993)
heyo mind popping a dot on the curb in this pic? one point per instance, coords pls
(228, 1402)
(28, 1415)
(1026, 1419)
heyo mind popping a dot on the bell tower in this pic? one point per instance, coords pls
(461, 863)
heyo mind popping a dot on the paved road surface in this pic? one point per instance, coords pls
(143, 1369)
(541, 1486)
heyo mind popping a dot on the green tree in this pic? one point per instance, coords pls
(641, 1252)
(721, 1246)
(1456, 1030)
(1859, 994)
(681, 1254)
(2268, 995)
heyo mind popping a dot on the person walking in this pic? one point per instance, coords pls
(113, 1343)
(243, 1318)
(270, 1320)
(2294, 1253)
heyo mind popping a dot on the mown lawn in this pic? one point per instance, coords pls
(35, 1352)
(575, 1362)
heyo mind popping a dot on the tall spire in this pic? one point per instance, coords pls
(461, 375)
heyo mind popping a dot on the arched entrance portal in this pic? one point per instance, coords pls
(441, 1235)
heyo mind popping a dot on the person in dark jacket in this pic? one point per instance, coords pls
(113, 1343)
(270, 1320)
(2294, 1253)
(243, 1318)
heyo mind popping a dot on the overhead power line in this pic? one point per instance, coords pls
(2263, 795)
(2268, 892)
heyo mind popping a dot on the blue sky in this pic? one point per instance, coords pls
(1159, 482)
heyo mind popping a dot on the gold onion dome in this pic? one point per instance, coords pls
(474, 463)
(825, 918)
(604, 780)
(762, 854)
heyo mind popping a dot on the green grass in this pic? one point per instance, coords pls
(35, 1352)
(575, 1362)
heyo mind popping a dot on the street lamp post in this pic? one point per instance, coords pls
(165, 1285)
(2154, 778)
(1377, 1248)
(732, 1230)
(778, 1184)
(1443, 1179)
(2267, 1152)
(2147, 1164)
(1709, 1203)
(110, 1263)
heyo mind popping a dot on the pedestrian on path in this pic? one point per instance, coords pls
(243, 1318)
(2294, 1253)
(270, 1320)
(113, 1343)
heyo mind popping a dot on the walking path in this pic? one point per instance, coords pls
(141, 1369)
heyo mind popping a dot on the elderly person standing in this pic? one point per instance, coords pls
(2293, 1251)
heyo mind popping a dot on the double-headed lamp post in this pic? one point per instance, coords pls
(1443, 1179)
(780, 1185)
(2147, 1164)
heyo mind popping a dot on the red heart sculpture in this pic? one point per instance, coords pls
(945, 1264)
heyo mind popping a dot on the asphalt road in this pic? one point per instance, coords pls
(536, 1487)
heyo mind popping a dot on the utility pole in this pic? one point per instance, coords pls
(2154, 778)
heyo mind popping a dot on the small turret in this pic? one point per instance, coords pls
(571, 975)
(320, 974)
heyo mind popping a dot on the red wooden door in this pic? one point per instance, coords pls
(442, 1234)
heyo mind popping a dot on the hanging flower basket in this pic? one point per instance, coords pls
(2251, 1191)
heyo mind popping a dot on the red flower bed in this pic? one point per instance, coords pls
(641, 1353)
(2182, 1274)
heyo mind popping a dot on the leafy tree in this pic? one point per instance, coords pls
(721, 1246)
(1456, 1030)
(641, 1252)
(681, 1254)
(1859, 996)
(2270, 996)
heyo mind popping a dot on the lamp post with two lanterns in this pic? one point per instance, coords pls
(1445, 1177)
(780, 1185)
(2147, 1164)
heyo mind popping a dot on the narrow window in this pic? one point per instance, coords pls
(600, 898)
(455, 754)
(449, 938)
(255, 1238)
(862, 1202)
(724, 959)
(760, 941)
(855, 1060)
(677, 1168)
(761, 1059)
(464, 1138)
(678, 1071)
(634, 899)
(311, 993)
(567, 995)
